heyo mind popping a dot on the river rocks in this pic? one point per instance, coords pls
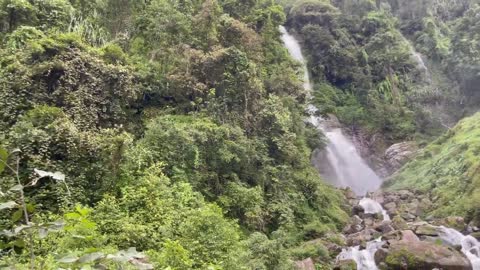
(358, 210)
(399, 223)
(306, 264)
(424, 255)
(364, 236)
(426, 229)
(409, 237)
(354, 225)
(399, 154)
(384, 227)
(391, 208)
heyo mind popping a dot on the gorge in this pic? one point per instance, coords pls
(345, 168)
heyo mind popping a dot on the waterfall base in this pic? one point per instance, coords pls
(388, 233)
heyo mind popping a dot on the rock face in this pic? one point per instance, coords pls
(399, 154)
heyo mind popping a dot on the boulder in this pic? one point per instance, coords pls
(380, 256)
(408, 216)
(399, 224)
(393, 235)
(384, 226)
(358, 210)
(391, 208)
(349, 194)
(424, 255)
(457, 223)
(306, 264)
(426, 229)
(409, 237)
(354, 225)
(398, 154)
(364, 236)
(345, 265)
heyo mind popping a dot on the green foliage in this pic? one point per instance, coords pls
(179, 130)
(153, 214)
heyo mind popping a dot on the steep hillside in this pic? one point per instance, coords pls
(448, 169)
(173, 127)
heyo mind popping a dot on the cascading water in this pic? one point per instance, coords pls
(350, 170)
(470, 245)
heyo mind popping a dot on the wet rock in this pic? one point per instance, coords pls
(306, 264)
(358, 210)
(384, 227)
(357, 238)
(424, 255)
(345, 265)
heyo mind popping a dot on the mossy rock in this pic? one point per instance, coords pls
(424, 255)
(346, 265)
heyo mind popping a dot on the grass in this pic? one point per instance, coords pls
(448, 169)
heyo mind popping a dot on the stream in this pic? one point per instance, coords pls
(348, 169)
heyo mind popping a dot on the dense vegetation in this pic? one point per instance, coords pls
(173, 127)
(170, 134)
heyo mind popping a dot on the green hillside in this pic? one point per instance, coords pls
(448, 169)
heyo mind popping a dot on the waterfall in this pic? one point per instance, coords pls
(364, 258)
(421, 66)
(350, 170)
(348, 167)
(295, 51)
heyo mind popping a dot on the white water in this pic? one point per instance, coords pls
(417, 57)
(373, 207)
(470, 245)
(364, 258)
(352, 171)
(295, 51)
(349, 167)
